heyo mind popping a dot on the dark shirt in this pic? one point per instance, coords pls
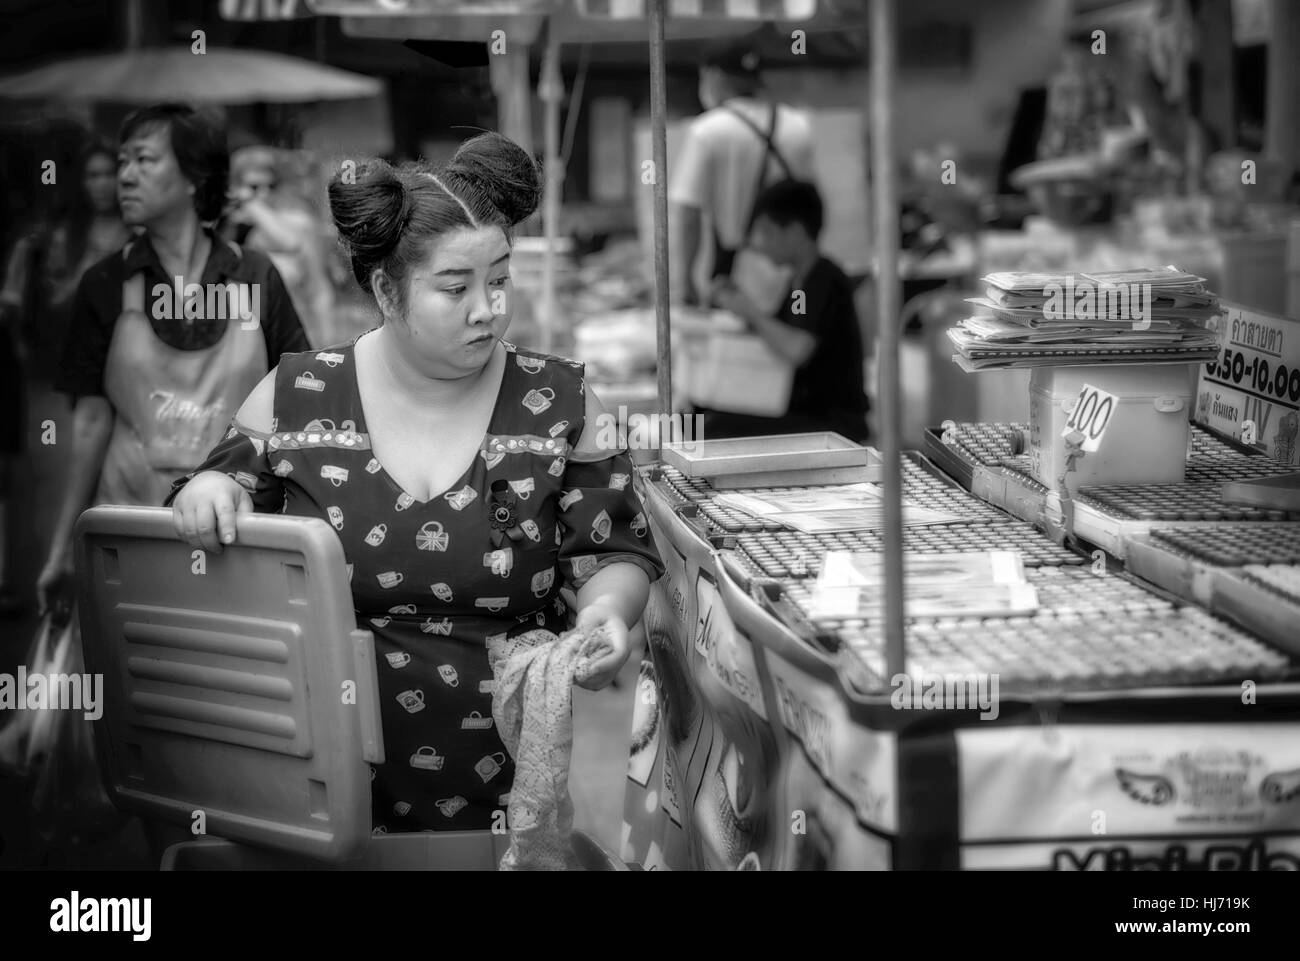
(829, 386)
(98, 302)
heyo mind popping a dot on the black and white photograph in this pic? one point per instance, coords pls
(651, 436)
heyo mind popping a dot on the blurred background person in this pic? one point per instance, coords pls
(266, 215)
(152, 390)
(743, 141)
(815, 329)
(43, 271)
(155, 383)
(45, 267)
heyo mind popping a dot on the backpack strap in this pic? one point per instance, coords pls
(769, 150)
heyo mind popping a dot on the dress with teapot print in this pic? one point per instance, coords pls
(434, 580)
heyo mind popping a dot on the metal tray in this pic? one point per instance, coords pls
(778, 460)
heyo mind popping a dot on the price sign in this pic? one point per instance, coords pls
(1091, 416)
(1252, 390)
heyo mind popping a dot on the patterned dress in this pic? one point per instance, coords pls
(434, 580)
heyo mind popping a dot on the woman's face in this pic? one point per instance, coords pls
(150, 184)
(100, 182)
(256, 182)
(458, 303)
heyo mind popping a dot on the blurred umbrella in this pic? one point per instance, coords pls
(221, 76)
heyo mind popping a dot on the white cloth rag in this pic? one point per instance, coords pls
(532, 705)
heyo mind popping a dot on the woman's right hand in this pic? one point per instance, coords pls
(204, 512)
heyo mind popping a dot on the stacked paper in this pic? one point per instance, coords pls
(1146, 315)
(985, 584)
(847, 507)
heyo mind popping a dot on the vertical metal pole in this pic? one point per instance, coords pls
(1282, 142)
(552, 91)
(659, 141)
(884, 179)
(134, 24)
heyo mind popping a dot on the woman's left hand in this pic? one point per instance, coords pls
(608, 646)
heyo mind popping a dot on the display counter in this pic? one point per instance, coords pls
(1120, 727)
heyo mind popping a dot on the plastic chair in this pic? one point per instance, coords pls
(240, 699)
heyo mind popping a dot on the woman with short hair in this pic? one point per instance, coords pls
(155, 373)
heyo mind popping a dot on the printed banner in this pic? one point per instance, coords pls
(1129, 789)
(1252, 391)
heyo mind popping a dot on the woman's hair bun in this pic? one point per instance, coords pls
(371, 206)
(500, 170)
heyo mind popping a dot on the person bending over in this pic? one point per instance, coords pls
(816, 328)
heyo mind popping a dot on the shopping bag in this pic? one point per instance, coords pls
(69, 804)
(26, 729)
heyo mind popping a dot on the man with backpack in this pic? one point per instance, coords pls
(740, 144)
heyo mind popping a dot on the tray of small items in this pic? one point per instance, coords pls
(1264, 598)
(1111, 516)
(792, 554)
(987, 459)
(1238, 570)
(922, 487)
(1092, 632)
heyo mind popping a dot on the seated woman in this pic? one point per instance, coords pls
(460, 472)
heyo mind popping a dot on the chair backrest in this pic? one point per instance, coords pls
(236, 685)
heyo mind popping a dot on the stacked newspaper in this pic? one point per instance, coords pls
(1146, 315)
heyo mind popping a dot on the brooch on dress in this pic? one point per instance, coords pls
(503, 511)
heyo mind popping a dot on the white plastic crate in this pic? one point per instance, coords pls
(734, 372)
(1145, 441)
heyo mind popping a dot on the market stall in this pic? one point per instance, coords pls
(771, 731)
(1142, 714)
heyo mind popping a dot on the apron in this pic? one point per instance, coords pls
(171, 405)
